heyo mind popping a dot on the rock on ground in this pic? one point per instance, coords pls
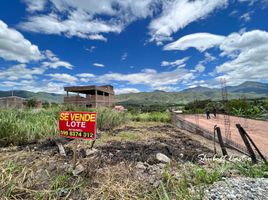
(238, 188)
(78, 170)
(162, 158)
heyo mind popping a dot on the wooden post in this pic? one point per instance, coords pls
(214, 140)
(256, 148)
(75, 153)
(249, 148)
(259, 152)
(223, 149)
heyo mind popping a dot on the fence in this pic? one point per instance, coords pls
(181, 123)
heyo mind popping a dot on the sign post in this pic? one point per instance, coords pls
(77, 125)
(75, 154)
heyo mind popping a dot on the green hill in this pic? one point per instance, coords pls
(249, 90)
(43, 96)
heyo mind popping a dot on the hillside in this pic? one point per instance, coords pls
(249, 90)
(43, 96)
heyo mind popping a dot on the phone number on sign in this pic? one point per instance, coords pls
(77, 134)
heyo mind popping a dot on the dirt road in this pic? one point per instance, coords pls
(257, 130)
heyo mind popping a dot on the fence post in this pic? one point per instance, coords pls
(244, 137)
(224, 152)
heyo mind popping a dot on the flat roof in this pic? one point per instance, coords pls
(86, 89)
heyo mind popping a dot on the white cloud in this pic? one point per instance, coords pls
(77, 25)
(246, 17)
(57, 64)
(252, 2)
(175, 63)
(208, 58)
(85, 75)
(149, 77)
(20, 71)
(91, 49)
(35, 5)
(124, 56)
(178, 14)
(126, 90)
(167, 88)
(249, 57)
(200, 41)
(244, 41)
(66, 78)
(200, 68)
(13, 46)
(98, 65)
(247, 53)
(54, 62)
(82, 17)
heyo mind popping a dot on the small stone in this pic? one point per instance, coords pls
(156, 184)
(52, 166)
(90, 152)
(140, 165)
(231, 196)
(78, 170)
(162, 158)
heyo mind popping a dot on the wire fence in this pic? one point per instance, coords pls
(181, 123)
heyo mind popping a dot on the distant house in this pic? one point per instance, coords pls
(93, 96)
(12, 102)
(38, 104)
(120, 108)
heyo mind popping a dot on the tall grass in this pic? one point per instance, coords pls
(152, 117)
(20, 126)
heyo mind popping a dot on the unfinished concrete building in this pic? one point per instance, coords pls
(93, 96)
(12, 102)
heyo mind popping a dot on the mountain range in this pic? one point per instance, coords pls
(248, 90)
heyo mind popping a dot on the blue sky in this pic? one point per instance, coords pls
(141, 45)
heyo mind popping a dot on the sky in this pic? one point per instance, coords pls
(136, 46)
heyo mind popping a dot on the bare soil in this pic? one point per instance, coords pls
(36, 169)
(257, 129)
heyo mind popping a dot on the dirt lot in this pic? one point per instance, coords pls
(256, 129)
(125, 158)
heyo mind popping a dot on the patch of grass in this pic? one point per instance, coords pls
(188, 185)
(118, 182)
(190, 180)
(60, 182)
(152, 117)
(248, 169)
(140, 133)
(107, 119)
(22, 126)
